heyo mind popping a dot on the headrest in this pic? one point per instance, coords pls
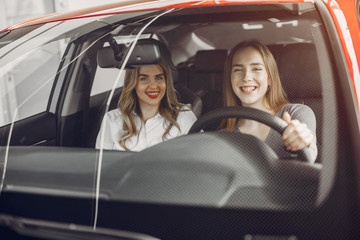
(210, 60)
(146, 52)
(299, 69)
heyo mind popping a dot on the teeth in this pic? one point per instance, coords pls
(248, 89)
(152, 93)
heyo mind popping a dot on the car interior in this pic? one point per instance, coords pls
(196, 48)
(196, 54)
(198, 79)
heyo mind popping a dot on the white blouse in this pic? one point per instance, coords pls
(150, 133)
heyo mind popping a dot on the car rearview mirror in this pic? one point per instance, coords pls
(144, 53)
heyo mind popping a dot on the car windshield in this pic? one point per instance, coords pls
(58, 81)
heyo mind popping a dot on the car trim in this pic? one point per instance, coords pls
(341, 26)
(56, 230)
(51, 192)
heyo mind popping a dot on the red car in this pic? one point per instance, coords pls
(60, 74)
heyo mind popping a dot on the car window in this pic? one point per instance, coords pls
(26, 90)
(102, 81)
(207, 168)
(27, 81)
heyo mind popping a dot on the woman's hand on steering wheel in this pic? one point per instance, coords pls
(296, 135)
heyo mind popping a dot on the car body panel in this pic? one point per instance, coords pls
(345, 17)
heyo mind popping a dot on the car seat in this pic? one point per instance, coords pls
(209, 70)
(204, 75)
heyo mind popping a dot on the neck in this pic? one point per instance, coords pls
(264, 106)
(255, 128)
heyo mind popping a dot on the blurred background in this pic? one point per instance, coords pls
(16, 11)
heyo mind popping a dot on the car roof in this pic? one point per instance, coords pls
(138, 5)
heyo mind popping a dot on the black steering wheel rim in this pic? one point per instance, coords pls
(241, 112)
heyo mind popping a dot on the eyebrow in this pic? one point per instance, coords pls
(146, 75)
(251, 64)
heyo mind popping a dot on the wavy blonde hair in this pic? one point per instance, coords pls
(128, 104)
(275, 96)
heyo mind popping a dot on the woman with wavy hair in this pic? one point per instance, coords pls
(251, 79)
(148, 111)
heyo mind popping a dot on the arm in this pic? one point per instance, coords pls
(301, 131)
(106, 129)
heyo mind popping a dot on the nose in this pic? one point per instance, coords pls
(153, 82)
(247, 75)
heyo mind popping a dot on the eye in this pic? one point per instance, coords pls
(238, 70)
(159, 78)
(143, 78)
(257, 69)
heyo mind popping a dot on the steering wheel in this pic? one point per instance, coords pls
(240, 112)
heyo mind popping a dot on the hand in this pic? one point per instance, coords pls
(296, 135)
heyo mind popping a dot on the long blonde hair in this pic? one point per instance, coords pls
(275, 96)
(128, 104)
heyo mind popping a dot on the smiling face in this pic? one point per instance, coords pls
(151, 86)
(249, 78)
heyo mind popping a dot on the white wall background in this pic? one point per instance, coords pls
(16, 11)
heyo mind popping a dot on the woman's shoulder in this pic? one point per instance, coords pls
(186, 112)
(184, 108)
(296, 109)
